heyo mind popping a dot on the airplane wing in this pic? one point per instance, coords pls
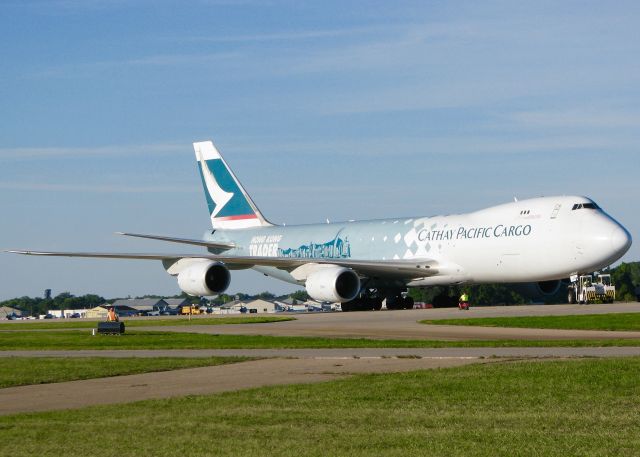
(409, 269)
(209, 244)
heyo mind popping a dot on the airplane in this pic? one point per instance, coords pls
(540, 241)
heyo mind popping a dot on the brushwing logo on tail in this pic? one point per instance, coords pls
(224, 198)
(219, 196)
(228, 204)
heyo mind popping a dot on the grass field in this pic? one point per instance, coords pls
(23, 371)
(75, 339)
(614, 321)
(156, 322)
(561, 408)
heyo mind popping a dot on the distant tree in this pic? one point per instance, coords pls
(92, 300)
(300, 295)
(37, 305)
(495, 294)
(59, 300)
(27, 305)
(626, 277)
(221, 299)
(479, 294)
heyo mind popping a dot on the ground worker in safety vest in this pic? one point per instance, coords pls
(111, 315)
(464, 301)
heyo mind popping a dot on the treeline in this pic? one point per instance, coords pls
(34, 306)
(625, 276)
(479, 295)
(38, 305)
(221, 299)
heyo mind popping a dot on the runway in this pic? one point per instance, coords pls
(354, 353)
(280, 366)
(405, 324)
(289, 366)
(204, 381)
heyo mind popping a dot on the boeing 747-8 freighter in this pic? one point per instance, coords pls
(359, 264)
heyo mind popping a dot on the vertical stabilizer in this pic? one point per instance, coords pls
(230, 207)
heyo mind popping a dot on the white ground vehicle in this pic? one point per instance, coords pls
(592, 289)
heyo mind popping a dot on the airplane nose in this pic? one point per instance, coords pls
(620, 240)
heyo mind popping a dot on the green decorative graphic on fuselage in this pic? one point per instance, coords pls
(269, 245)
(335, 249)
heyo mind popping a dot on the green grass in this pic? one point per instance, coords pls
(568, 408)
(16, 371)
(614, 321)
(155, 322)
(74, 339)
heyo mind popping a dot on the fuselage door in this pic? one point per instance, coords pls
(556, 210)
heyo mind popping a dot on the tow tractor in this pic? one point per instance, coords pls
(587, 289)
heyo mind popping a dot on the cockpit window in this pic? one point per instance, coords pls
(585, 206)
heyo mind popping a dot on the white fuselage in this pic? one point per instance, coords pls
(524, 241)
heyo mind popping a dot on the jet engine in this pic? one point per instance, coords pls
(548, 287)
(333, 284)
(204, 278)
(539, 290)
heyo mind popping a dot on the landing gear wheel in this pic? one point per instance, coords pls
(571, 297)
(407, 303)
(393, 303)
(368, 304)
(347, 306)
(362, 304)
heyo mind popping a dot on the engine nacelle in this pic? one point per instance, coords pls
(539, 290)
(548, 287)
(204, 278)
(333, 284)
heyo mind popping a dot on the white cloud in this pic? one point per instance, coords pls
(173, 59)
(71, 6)
(293, 35)
(85, 69)
(577, 117)
(43, 152)
(100, 188)
(458, 145)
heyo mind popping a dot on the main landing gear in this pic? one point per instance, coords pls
(363, 304)
(371, 300)
(399, 302)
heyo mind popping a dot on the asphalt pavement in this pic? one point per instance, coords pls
(288, 366)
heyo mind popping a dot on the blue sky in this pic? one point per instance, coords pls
(339, 110)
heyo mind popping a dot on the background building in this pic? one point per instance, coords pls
(6, 312)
